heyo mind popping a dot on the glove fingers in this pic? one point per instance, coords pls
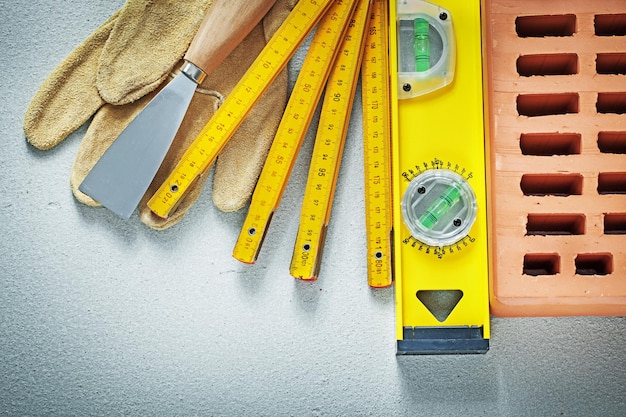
(68, 97)
(240, 163)
(148, 39)
(105, 127)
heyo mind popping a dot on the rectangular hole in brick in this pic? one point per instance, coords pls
(612, 142)
(536, 264)
(611, 63)
(548, 144)
(612, 183)
(552, 184)
(547, 104)
(594, 264)
(611, 103)
(541, 26)
(615, 224)
(610, 24)
(555, 224)
(547, 64)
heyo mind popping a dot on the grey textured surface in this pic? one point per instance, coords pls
(104, 317)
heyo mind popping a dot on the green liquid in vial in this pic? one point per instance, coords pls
(440, 207)
(421, 45)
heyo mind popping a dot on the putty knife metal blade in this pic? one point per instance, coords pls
(120, 178)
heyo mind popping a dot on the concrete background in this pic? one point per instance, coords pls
(104, 317)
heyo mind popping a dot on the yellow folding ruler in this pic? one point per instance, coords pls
(293, 128)
(439, 177)
(321, 59)
(205, 148)
(376, 147)
(328, 148)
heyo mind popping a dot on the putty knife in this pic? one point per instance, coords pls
(121, 177)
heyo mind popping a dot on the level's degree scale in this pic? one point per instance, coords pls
(459, 241)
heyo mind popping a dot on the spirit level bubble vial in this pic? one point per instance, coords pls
(439, 208)
(439, 177)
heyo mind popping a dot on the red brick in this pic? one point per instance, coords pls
(558, 156)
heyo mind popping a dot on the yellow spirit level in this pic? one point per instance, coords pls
(439, 177)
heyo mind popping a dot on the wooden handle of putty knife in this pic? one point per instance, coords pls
(225, 25)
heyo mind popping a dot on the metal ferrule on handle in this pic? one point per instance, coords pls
(193, 72)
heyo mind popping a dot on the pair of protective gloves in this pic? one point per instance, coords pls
(121, 66)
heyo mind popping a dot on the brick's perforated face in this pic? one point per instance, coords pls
(557, 85)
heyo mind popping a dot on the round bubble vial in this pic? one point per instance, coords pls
(439, 207)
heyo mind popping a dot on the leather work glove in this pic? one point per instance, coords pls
(119, 68)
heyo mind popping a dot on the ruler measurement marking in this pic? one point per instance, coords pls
(376, 144)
